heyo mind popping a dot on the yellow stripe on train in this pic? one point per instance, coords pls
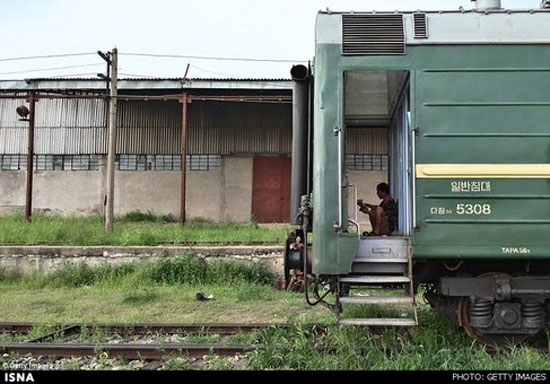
(500, 171)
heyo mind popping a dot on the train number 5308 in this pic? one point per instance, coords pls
(473, 209)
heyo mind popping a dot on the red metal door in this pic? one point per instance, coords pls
(271, 189)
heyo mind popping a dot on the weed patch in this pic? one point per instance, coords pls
(186, 269)
(134, 228)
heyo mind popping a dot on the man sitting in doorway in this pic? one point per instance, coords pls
(383, 217)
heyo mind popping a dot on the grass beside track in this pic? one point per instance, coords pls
(165, 290)
(132, 229)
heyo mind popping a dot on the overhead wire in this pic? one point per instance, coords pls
(48, 56)
(215, 73)
(138, 54)
(51, 69)
(178, 56)
(72, 75)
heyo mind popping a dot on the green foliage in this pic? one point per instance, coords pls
(187, 269)
(176, 363)
(140, 297)
(435, 345)
(134, 228)
(138, 216)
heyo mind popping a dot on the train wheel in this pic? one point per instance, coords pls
(490, 340)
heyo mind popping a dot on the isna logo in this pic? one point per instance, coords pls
(18, 377)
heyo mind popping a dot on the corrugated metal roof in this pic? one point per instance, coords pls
(155, 79)
(460, 10)
(146, 83)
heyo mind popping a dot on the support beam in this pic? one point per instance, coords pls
(111, 154)
(184, 101)
(30, 157)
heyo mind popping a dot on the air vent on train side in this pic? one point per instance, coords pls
(380, 34)
(420, 26)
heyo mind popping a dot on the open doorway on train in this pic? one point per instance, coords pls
(377, 146)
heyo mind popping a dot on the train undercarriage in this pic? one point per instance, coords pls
(497, 304)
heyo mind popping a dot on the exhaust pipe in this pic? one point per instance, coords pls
(484, 5)
(300, 104)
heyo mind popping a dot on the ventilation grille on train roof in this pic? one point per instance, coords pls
(420, 26)
(373, 35)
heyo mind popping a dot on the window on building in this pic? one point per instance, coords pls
(13, 162)
(366, 162)
(50, 162)
(166, 162)
(202, 162)
(81, 163)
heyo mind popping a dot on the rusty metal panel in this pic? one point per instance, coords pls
(271, 189)
(13, 134)
(367, 140)
(78, 126)
(63, 126)
(149, 127)
(239, 127)
(70, 126)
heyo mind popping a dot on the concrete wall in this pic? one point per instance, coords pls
(221, 194)
(238, 188)
(204, 191)
(74, 192)
(157, 191)
(44, 259)
(78, 192)
(12, 190)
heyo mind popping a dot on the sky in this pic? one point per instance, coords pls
(249, 29)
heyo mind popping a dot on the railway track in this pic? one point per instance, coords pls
(39, 346)
(55, 343)
(125, 350)
(144, 328)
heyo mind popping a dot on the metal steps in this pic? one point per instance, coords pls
(375, 279)
(374, 322)
(386, 263)
(377, 260)
(376, 300)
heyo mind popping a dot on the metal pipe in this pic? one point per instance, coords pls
(340, 186)
(355, 199)
(300, 102)
(413, 175)
(356, 224)
(30, 157)
(482, 5)
(183, 101)
(310, 131)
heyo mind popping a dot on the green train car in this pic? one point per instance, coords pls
(465, 98)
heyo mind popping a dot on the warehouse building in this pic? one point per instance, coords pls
(238, 147)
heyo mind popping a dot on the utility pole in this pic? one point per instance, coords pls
(28, 115)
(30, 158)
(184, 101)
(111, 154)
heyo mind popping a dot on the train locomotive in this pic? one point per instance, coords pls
(464, 97)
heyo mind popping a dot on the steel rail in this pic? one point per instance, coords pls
(143, 328)
(125, 351)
